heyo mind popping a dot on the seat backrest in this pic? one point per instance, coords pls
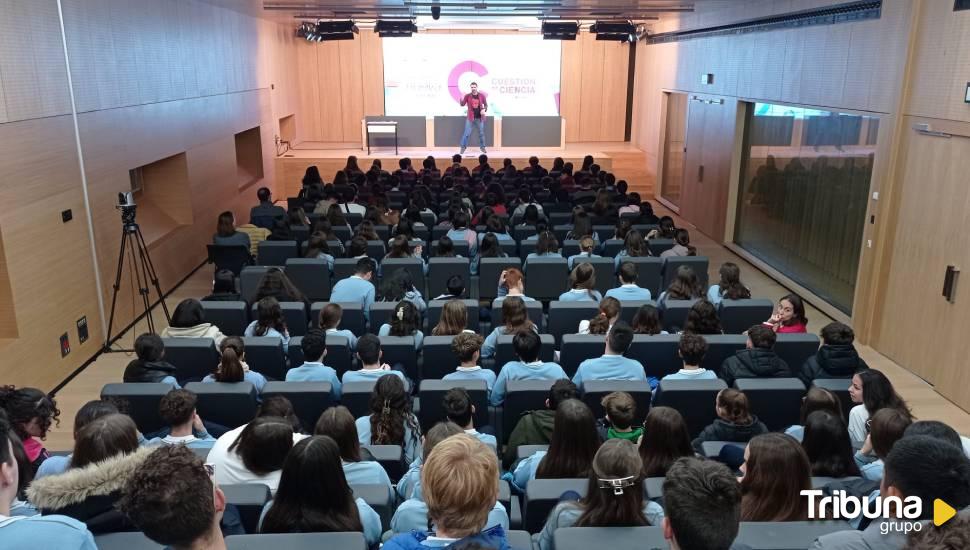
(264, 354)
(654, 487)
(142, 399)
(521, 232)
(519, 539)
(352, 318)
(786, 535)
(231, 257)
(125, 541)
(522, 396)
(711, 449)
(577, 348)
(391, 457)
(504, 352)
(674, 314)
(432, 392)
(546, 278)
(570, 247)
(659, 246)
(524, 451)
(356, 397)
(649, 273)
(339, 357)
(249, 280)
(380, 313)
(401, 350)
(461, 248)
(595, 390)
(230, 404)
(298, 541)
(309, 399)
(564, 317)
(541, 495)
(580, 538)
(603, 230)
(694, 399)
(526, 247)
(533, 309)
(604, 270)
(840, 387)
(439, 360)
(379, 497)
(776, 401)
(795, 349)
(698, 263)
(249, 499)
(611, 247)
(657, 353)
(719, 348)
(628, 309)
(489, 270)
(434, 314)
(343, 268)
(311, 276)
(276, 252)
(737, 316)
(230, 317)
(414, 267)
(294, 313)
(442, 269)
(193, 358)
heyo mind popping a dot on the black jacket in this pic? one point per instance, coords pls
(148, 371)
(754, 363)
(223, 297)
(832, 361)
(722, 430)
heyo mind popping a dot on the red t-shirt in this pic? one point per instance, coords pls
(476, 105)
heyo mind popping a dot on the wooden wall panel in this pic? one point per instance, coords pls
(372, 73)
(616, 69)
(570, 86)
(351, 89)
(591, 86)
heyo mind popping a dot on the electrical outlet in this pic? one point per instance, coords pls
(82, 330)
(67, 215)
(65, 345)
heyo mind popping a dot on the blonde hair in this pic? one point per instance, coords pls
(460, 484)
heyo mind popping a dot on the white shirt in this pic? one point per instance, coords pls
(230, 468)
(858, 418)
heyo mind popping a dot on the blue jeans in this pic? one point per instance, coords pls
(478, 123)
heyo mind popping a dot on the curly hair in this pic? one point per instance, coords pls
(390, 408)
(25, 404)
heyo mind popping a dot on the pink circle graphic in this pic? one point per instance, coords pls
(460, 69)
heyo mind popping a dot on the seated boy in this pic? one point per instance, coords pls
(692, 349)
(527, 346)
(357, 288)
(150, 365)
(467, 347)
(629, 291)
(459, 409)
(369, 352)
(177, 409)
(621, 410)
(612, 365)
(314, 346)
(757, 360)
(835, 358)
(535, 427)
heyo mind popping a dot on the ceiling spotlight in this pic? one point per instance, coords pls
(617, 31)
(559, 30)
(392, 28)
(336, 30)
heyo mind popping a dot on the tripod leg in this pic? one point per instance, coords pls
(116, 287)
(137, 257)
(152, 275)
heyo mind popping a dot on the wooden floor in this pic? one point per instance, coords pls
(927, 404)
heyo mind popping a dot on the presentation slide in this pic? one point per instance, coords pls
(427, 74)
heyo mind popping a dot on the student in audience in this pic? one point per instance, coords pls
(458, 506)
(603, 205)
(836, 357)
(774, 473)
(460, 410)
(317, 248)
(460, 231)
(511, 282)
(623, 227)
(583, 228)
(734, 420)
(536, 427)
(322, 226)
(467, 348)
(665, 229)
(256, 235)
(692, 349)
(586, 248)
(58, 464)
(366, 230)
(30, 413)
(582, 285)
(409, 486)
(330, 317)
(614, 496)
(490, 248)
(496, 226)
(665, 439)
(232, 365)
(106, 453)
(918, 466)
(952, 535)
(223, 288)
(401, 248)
(757, 360)
(702, 505)
(526, 199)
(633, 247)
(527, 346)
(871, 391)
(358, 288)
(816, 399)
(256, 453)
(398, 286)
(351, 169)
(932, 428)
(685, 286)
(515, 319)
(612, 365)
(609, 313)
(263, 214)
(628, 289)
(453, 321)
(729, 287)
(647, 321)
(177, 410)
(338, 423)
(269, 322)
(149, 365)
(632, 205)
(682, 246)
(789, 316)
(826, 443)
(281, 231)
(391, 421)
(621, 410)
(314, 496)
(455, 287)
(702, 319)
(188, 321)
(445, 248)
(369, 354)
(571, 448)
(887, 427)
(275, 284)
(547, 246)
(314, 346)
(405, 320)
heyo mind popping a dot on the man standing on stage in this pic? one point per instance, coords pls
(477, 105)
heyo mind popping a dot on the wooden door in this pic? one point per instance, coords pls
(707, 172)
(675, 139)
(690, 208)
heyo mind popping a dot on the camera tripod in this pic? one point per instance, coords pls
(133, 244)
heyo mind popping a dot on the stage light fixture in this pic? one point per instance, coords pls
(336, 30)
(559, 30)
(617, 31)
(393, 28)
(436, 12)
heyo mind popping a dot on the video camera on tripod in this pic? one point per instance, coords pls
(126, 203)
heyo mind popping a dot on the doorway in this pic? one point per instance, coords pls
(674, 149)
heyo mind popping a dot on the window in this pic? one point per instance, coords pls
(805, 177)
(163, 195)
(249, 157)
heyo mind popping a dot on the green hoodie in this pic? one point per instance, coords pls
(534, 428)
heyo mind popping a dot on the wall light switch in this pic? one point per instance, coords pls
(875, 195)
(869, 243)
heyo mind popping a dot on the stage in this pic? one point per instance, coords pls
(621, 158)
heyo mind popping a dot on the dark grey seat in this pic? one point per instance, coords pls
(298, 541)
(654, 487)
(231, 257)
(432, 392)
(142, 399)
(522, 396)
(344, 268)
(546, 278)
(414, 267)
(533, 309)
(522, 232)
(659, 246)
(577, 348)
(520, 540)
(193, 358)
(611, 247)
(776, 401)
(249, 498)
(674, 314)
(698, 263)
(711, 449)
(603, 230)
(230, 404)
(309, 399)
(356, 396)
(694, 399)
(231, 317)
(738, 316)
(795, 349)
(570, 247)
(840, 387)
(391, 457)
(541, 495)
(628, 309)
(339, 357)
(401, 350)
(352, 319)
(461, 248)
(564, 317)
(657, 353)
(126, 541)
(380, 313)
(442, 269)
(264, 354)
(437, 358)
(311, 276)
(649, 273)
(786, 535)
(595, 390)
(504, 352)
(276, 252)
(719, 348)
(489, 270)
(249, 279)
(434, 313)
(604, 270)
(618, 538)
(523, 451)
(379, 497)
(294, 313)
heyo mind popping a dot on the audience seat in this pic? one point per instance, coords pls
(298, 541)
(142, 399)
(603, 269)
(504, 352)
(520, 540)
(461, 248)
(595, 390)
(524, 451)
(522, 232)
(564, 317)
(231, 257)
(659, 246)
(737, 316)
(434, 313)
(390, 457)
(229, 404)
(294, 313)
(249, 498)
(611, 247)
(604, 229)
(442, 269)
(231, 317)
(776, 401)
(673, 316)
(654, 487)
(533, 309)
(339, 356)
(414, 267)
(546, 278)
(400, 350)
(522, 396)
(489, 270)
(649, 273)
(711, 449)
(657, 353)
(309, 399)
(698, 263)
(264, 354)
(380, 314)
(570, 247)
(437, 357)
(193, 358)
(432, 392)
(795, 349)
(786, 535)
(353, 316)
(379, 497)
(628, 309)
(126, 541)
(344, 268)
(275, 252)
(583, 538)
(311, 276)
(356, 396)
(577, 348)
(542, 495)
(719, 348)
(249, 280)
(694, 399)
(840, 387)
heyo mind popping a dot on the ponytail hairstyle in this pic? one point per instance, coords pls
(609, 311)
(732, 406)
(269, 315)
(730, 284)
(682, 237)
(614, 495)
(583, 276)
(647, 320)
(390, 408)
(547, 243)
(405, 320)
(230, 367)
(634, 244)
(400, 247)
(587, 245)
